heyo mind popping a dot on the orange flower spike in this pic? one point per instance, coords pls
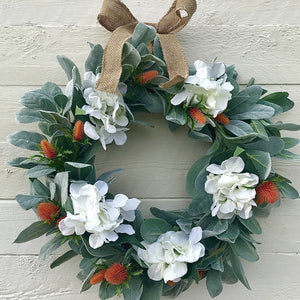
(267, 192)
(221, 118)
(116, 274)
(98, 277)
(78, 133)
(201, 274)
(197, 115)
(48, 149)
(146, 77)
(48, 211)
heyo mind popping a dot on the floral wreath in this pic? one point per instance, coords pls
(143, 68)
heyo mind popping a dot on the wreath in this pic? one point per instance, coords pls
(143, 68)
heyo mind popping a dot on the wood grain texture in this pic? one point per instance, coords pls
(261, 37)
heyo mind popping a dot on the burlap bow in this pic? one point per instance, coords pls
(117, 18)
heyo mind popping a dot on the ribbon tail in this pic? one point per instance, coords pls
(174, 56)
(112, 60)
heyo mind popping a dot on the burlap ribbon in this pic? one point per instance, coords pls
(117, 18)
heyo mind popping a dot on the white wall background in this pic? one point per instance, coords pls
(261, 37)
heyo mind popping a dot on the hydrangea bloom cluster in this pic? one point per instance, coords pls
(101, 217)
(233, 191)
(108, 113)
(206, 90)
(167, 258)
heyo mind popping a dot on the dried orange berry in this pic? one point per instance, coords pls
(48, 149)
(78, 132)
(116, 274)
(171, 283)
(197, 115)
(221, 118)
(98, 277)
(48, 211)
(267, 192)
(201, 274)
(146, 77)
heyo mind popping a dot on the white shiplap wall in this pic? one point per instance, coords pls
(261, 37)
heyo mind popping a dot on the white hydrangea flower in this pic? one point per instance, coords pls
(101, 217)
(233, 191)
(167, 258)
(207, 89)
(108, 113)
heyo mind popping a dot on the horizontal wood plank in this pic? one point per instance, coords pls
(214, 12)
(268, 53)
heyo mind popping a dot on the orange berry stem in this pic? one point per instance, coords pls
(48, 149)
(98, 277)
(146, 77)
(116, 274)
(48, 212)
(267, 192)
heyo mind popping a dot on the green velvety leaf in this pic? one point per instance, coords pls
(51, 89)
(29, 201)
(26, 139)
(151, 289)
(200, 135)
(68, 66)
(55, 118)
(33, 231)
(156, 60)
(290, 142)
(199, 166)
(239, 128)
(176, 115)
(206, 261)
(107, 291)
(27, 115)
(178, 288)
(78, 171)
(214, 283)
(281, 99)
(286, 126)
(244, 100)
(104, 251)
(153, 102)
(277, 109)
(261, 162)
(94, 59)
(63, 258)
(50, 247)
(215, 227)
(251, 224)
(61, 101)
(85, 156)
(169, 216)
(135, 289)
(274, 145)
(238, 269)
(255, 112)
(228, 276)
(108, 176)
(245, 250)
(21, 162)
(142, 48)
(40, 171)
(231, 234)
(287, 190)
(38, 100)
(39, 189)
(260, 129)
(287, 155)
(142, 34)
(130, 55)
(61, 181)
(242, 139)
(200, 204)
(157, 51)
(151, 229)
